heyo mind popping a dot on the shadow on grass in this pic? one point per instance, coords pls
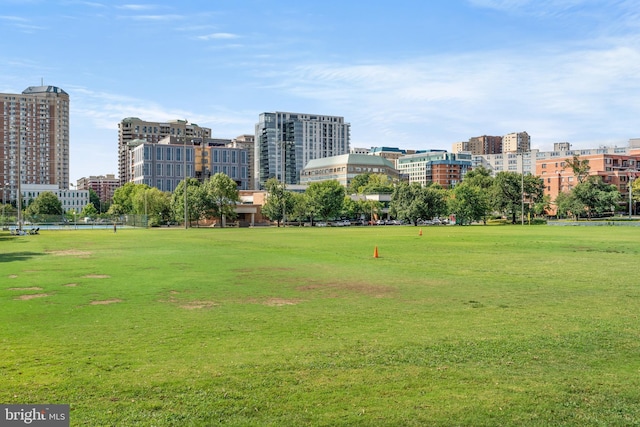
(18, 256)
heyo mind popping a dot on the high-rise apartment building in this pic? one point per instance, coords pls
(286, 142)
(34, 139)
(132, 128)
(517, 142)
(480, 145)
(103, 185)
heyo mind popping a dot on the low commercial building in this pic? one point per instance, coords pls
(345, 167)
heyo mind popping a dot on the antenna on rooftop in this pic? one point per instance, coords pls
(41, 81)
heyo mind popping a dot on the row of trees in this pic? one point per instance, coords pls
(476, 198)
(213, 198)
(216, 197)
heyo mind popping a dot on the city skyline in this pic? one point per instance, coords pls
(414, 74)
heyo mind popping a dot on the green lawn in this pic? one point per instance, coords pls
(472, 326)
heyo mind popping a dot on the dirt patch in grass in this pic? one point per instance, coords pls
(263, 269)
(197, 305)
(15, 276)
(33, 288)
(32, 296)
(274, 302)
(71, 252)
(71, 285)
(106, 301)
(189, 305)
(359, 288)
(279, 302)
(96, 276)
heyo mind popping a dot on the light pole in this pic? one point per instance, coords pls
(630, 194)
(19, 192)
(4, 204)
(186, 223)
(146, 215)
(75, 223)
(522, 186)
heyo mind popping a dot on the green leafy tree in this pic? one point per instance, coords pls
(479, 177)
(370, 208)
(469, 203)
(507, 194)
(635, 193)
(279, 202)
(325, 199)
(579, 167)
(511, 192)
(123, 198)
(300, 208)
(194, 200)
(378, 184)
(94, 198)
(349, 208)
(596, 195)
(222, 192)
(568, 205)
(411, 202)
(47, 203)
(543, 206)
(369, 183)
(154, 203)
(89, 211)
(358, 182)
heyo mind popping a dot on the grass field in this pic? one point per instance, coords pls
(471, 326)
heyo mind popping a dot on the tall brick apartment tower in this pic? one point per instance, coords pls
(34, 137)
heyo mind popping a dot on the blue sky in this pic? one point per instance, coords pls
(409, 73)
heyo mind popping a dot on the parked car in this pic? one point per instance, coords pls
(321, 224)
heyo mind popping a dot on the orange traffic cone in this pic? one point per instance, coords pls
(420, 233)
(375, 252)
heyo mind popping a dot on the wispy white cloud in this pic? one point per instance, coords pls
(137, 6)
(218, 36)
(553, 94)
(168, 17)
(13, 18)
(536, 7)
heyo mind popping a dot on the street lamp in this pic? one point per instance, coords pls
(630, 194)
(19, 192)
(522, 185)
(146, 216)
(75, 223)
(4, 204)
(186, 222)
